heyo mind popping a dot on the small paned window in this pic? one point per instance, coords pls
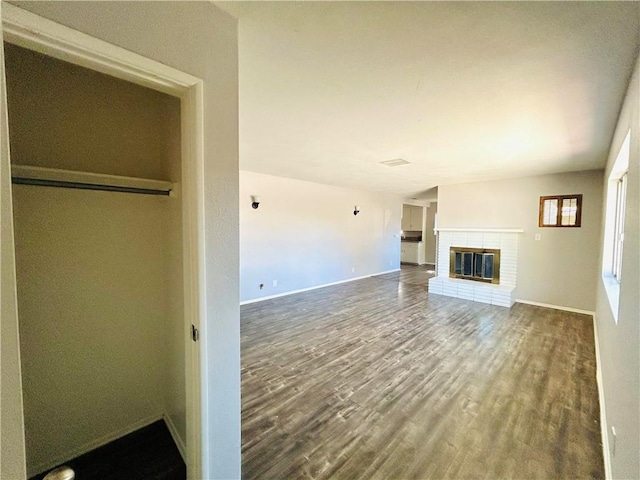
(560, 211)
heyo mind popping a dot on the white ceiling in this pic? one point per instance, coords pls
(463, 91)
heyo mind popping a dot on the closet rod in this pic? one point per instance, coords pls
(87, 186)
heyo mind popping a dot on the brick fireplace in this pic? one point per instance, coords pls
(464, 256)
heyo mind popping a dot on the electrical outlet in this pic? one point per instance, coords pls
(538, 236)
(353, 269)
(275, 283)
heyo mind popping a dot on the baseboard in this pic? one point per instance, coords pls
(176, 437)
(556, 307)
(269, 297)
(603, 411)
(87, 447)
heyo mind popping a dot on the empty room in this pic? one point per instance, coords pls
(361, 124)
(400, 240)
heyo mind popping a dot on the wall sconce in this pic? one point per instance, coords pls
(356, 209)
(255, 201)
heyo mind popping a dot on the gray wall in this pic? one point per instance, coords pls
(200, 39)
(619, 343)
(305, 234)
(559, 269)
(429, 237)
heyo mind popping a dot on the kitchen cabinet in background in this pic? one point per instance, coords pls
(412, 218)
(412, 252)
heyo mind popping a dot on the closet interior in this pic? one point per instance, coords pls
(96, 167)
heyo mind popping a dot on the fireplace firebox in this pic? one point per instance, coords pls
(479, 264)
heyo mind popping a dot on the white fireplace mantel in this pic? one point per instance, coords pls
(488, 230)
(504, 239)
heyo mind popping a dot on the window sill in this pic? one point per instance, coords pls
(612, 287)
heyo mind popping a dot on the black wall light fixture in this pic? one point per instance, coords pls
(356, 209)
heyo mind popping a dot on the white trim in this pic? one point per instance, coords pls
(176, 437)
(488, 230)
(192, 114)
(604, 429)
(42, 173)
(612, 289)
(92, 445)
(260, 299)
(42, 35)
(37, 33)
(555, 307)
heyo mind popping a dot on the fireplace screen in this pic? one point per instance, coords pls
(480, 264)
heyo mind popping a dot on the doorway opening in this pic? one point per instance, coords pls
(34, 33)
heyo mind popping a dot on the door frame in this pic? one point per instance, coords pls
(45, 36)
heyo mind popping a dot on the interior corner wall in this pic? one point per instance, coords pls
(174, 352)
(561, 268)
(429, 235)
(209, 52)
(619, 343)
(305, 234)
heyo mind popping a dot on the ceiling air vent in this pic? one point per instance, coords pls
(396, 162)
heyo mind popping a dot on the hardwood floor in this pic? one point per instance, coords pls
(417, 275)
(146, 454)
(378, 379)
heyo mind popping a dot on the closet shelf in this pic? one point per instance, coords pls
(52, 177)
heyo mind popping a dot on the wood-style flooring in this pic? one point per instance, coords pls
(146, 454)
(377, 379)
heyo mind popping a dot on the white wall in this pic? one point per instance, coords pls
(561, 268)
(619, 344)
(304, 234)
(208, 51)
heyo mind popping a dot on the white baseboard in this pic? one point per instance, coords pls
(176, 437)
(556, 307)
(87, 447)
(603, 411)
(269, 297)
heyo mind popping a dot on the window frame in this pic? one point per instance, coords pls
(560, 199)
(613, 240)
(618, 235)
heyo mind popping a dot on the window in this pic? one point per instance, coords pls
(614, 226)
(618, 235)
(560, 211)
